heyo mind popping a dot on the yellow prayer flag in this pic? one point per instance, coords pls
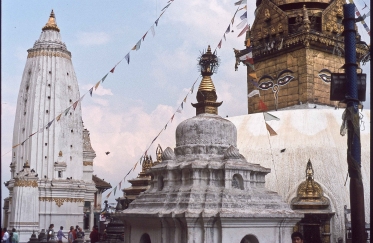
(58, 117)
(134, 48)
(185, 99)
(248, 42)
(98, 83)
(15, 146)
(243, 8)
(253, 75)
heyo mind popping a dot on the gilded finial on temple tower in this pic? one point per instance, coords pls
(206, 95)
(51, 24)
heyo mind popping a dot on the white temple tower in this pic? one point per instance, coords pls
(55, 153)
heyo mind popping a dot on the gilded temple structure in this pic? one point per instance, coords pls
(295, 46)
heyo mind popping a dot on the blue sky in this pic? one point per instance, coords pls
(135, 102)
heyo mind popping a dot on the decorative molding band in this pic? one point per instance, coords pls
(24, 183)
(86, 163)
(49, 54)
(23, 223)
(60, 200)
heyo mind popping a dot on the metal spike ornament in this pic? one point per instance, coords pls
(206, 96)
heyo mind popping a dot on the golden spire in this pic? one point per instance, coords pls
(206, 95)
(51, 24)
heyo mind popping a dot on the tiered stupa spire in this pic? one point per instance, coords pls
(206, 95)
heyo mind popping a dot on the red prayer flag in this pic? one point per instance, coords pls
(112, 70)
(172, 117)
(75, 104)
(262, 106)
(143, 38)
(219, 45)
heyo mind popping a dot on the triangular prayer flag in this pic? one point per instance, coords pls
(185, 99)
(364, 6)
(134, 48)
(32, 134)
(75, 104)
(270, 117)
(143, 38)
(270, 130)
(120, 183)
(58, 117)
(127, 57)
(129, 172)
(112, 70)
(243, 31)
(191, 90)
(165, 126)
(166, 7)
(138, 44)
(135, 165)
(224, 37)
(219, 45)
(254, 83)
(97, 84)
(49, 124)
(253, 93)
(242, 24)
(253, 75)
(250, 65)
(115, 190)
(243, 16)
(182, 106)
(90, 91)
(152, 29)
(156, 22)
(41, 129)
(178, 110)
(240, 2)
(228, 29)
(24, 142)
(67, 110)
(108, 195)
(262, 106)
(245, 7)
(15, 146)
(172, 117)
(103, 79)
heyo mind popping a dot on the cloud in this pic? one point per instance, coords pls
(92, 38)
(100, 91)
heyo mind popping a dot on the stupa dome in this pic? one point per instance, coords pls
(205, 134)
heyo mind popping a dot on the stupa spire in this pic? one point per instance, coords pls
(206, 95)
(51, 24)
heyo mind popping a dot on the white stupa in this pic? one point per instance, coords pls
(51, 177)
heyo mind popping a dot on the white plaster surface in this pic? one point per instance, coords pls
(306, 134)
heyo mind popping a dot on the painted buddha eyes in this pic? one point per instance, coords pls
(285, 80)
(266, 85)
(325, 75)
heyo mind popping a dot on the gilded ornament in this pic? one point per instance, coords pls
(25, 183)
(273, 30)
(280, 28)
(267, 15)
(87, 163)
(60, 200)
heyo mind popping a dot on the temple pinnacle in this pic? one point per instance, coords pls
(51, 24)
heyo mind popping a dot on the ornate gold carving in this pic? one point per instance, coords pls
(32, 54)
(25, 183)
(267, 15)
(280, 28)
(273, 30)
(158, 152)
(60, 200)
(86, 163)
(147, 163)
(310, 193)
